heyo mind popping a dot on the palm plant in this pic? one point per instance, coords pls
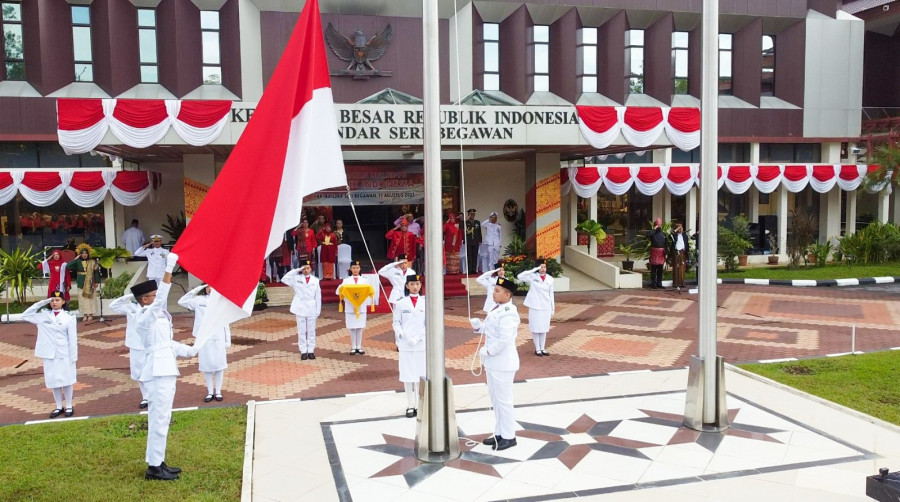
(174, 226)
(593, 229)
(107, 256)
(19, 269)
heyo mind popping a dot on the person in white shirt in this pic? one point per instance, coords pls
(409, 333)
(355, 323)
(154, 325)
(57, 345)
(137, 355)
(306, 305)
(396, 273)
(493, 240)
(488, 280)
(156, 258)
(541, 304)
(501, 361)
(213, 354)
(133, 237)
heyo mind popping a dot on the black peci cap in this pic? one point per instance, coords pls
(413, 278)
(141, 289)
(507, 284)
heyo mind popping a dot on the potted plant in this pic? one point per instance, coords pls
(19, 269)
(730, 247)
(592, 229)
(627, 250)
(107, 256)
(773, 249)
(741, 227)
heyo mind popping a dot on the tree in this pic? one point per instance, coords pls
(13, 45)
(887, 158)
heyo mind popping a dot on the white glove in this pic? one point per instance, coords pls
(194, 351)
(45, 301)
(484, 352)
(476, 323)
(171, 261)
(398, 333)
(536, 269)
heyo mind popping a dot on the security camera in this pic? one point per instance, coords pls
(855, 150)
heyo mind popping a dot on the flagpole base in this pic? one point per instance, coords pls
(693, 403)
(448, 429)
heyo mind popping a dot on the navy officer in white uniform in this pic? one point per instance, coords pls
(156, 258)
(501, 361)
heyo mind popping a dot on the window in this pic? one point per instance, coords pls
(540, 36)
(725, 82)
(81, 36)
(212, 61)
(679, 62)
(147, 45)
(768, 65)
(14, 49)
(634, 62)
(586, 52)
(491, 57)
(790, 152)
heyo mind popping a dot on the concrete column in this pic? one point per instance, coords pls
(542, 210)
(782, 219)
(573, 217)
(753, 193)
(110, 223)
(199, 174)
(121, 222)
(662, 200)
(462, 74)
(592, 214)
(666, 204)
(690, 214)
(830, 203)
(884, 205)
(851, 213)
(251, 62)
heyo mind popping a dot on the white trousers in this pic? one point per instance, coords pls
(500, 390)
(162, 395)
(306, 334)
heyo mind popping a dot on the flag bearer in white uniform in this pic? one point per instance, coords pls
(541, 304)
(306, 305)
(355, 323)
(137, 356)
(57, 345)
(154, 325)
(409, 330)
(156, 258)
(396, 273)
(212, 355)
(488, 280)
(501, 361)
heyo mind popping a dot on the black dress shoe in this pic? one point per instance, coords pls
(545, 353)
(158, 473)
(219, 397)
(304, 357)
(410, 412)
(503, 444)
(69, 412)
(352, 352)
(55, 413)
(538, 353)
(312, 356)
(169, 468)
(490, 440)
(360, 351)
(144, 404)
(208, 398)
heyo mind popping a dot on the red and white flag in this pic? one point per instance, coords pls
(289, 149)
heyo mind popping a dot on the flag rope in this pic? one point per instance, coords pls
(368, 253)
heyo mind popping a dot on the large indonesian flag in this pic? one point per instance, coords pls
(290, 149)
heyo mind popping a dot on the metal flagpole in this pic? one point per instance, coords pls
(436, 437)
(705, 403)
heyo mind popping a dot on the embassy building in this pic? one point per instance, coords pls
(553, 111)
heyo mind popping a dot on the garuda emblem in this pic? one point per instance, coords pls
(359, 52)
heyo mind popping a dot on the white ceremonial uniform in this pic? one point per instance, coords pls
(349, 316)
(501, 361)
(137, 355)
(306, 305)
(539, 300)
(493, 239)
(154, 325)
(397, 278)
(409, 333)
(156, 261)
(57, 343)
(133, 239)
(213, 353)
(488, 282)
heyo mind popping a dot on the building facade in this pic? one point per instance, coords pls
(517, 79)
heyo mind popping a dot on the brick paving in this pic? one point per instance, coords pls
(592, 333)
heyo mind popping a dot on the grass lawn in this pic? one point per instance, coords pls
(864, 382)
(103, 458)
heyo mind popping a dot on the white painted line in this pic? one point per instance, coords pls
(144, 412)
(547, 379)
(480, 384)
(693, 291)
(847, 282)
(838, 354)
(246, 485)
(668, 284)
(782, 360)
(276, 401)
(375, 393)
(883, 280)
(803, 283)
(631, 372)
(718, 281)
(192, 408)
(894, 348)
(54, 420)
(758, 282)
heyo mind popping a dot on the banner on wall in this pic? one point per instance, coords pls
(376, 186)
(194, 192)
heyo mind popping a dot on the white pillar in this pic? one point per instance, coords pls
(461, 22)
(884, 206)
(251, 48)
(830, 202)
(690, 215)
(592, 215)
(200, 168)
(782, 219)
(109, 221)
(851, 212)
(662, 200)
(753, 193)
(573, 217)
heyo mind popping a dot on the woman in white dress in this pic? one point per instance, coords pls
(409, 331)
(540, 303)
(212, 355)
(489, 280)
(57, 345)
(355, 321)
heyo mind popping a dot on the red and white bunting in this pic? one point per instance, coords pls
(84, 188)
(640, 126)
(737, 178)
(139, 123)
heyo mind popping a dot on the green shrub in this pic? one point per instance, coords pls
(877, 243)
(115, 287)
(19, 269)
(730, 246)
